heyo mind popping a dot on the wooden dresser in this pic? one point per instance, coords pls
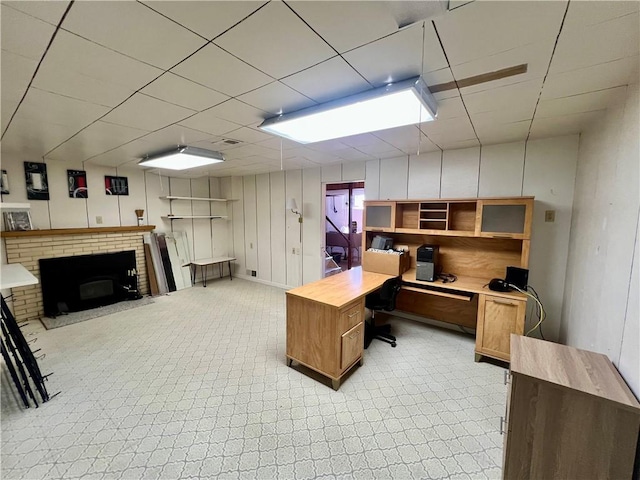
(569, 415)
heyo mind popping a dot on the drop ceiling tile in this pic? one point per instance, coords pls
(35, 138)
(16, 75)
(215, 68)
(264, 40)
(481, 29)
(133, 29)
(586, 102)
(458, 145)
(208, 19)
(128, 154)
(536, 56)
(451, 130)
(278, 143)
(453, 4)
(451, 108)
(41, 106)
(276, 98)
(398, 56)
(249, 135)
(353, 154)
(97, 138)
(491, 133)
(595, 44)
(70, 52)
(146, 113)
(180, 91)
(347, 24)
(590, 79)
(328, 81)
(523, 94)
(207, 122)
(380, 149)
(24, 35)
(426, 145)
(239, 112)
(498, 117)
(174, 135)
(562, 125)
(48, 11)
(584, 14)
(328, 146)
(437, 77)
(360, 140)
(402, 138)
(53, 78)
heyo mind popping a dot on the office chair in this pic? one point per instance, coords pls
(383, 299)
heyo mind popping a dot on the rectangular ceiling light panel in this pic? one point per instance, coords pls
(395, 105)
(182, 158)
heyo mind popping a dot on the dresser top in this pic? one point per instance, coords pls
(588, 372)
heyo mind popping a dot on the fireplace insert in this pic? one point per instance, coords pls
(72, 284)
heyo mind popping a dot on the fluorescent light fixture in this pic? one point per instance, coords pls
(404, 103)
(181, 158)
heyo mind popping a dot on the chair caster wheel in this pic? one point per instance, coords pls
(393, 344)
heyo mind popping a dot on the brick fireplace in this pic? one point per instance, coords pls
(28, 247)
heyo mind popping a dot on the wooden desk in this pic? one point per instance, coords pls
(325, 322)
(468, 302)
(204, 263)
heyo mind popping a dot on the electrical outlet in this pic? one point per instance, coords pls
(99, 219)
(550, 216)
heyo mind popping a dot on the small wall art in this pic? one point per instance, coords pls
(37, 183)
(77, 182)
(4, 183)
(116, 185)
(17, 221)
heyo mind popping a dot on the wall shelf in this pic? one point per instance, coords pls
(197, 199)
(177, 217)
(14, 206)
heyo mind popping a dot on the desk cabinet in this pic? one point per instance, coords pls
(324, 338)
(569, 414)
(498, 318)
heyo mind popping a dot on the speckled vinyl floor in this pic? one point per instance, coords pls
(195, 385)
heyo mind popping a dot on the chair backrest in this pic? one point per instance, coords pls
(389, 291)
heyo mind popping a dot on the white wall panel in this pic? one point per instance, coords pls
(312, 228)
(393, 178)
(69, 212)
(156, 207)
(332, 173)
(137, 197)
(460, 173)
(202, 229)
(629, 360)
(278, 228)
(372, 180)
(238, 224)
(550, 241)
(181, 187)
(223, 229)
(250, 225)
(293, 188)
(263, 223)
(501, 169)
(424, 175)
(99, 204)
(353, 171)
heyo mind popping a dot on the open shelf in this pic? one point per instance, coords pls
(198, 199)
(176, 217)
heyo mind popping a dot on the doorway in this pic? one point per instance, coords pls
(344, 207)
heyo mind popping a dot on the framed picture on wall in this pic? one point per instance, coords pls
(36, 177)
(116, 185)
(4, 183)
(17, 221)
(77, 183)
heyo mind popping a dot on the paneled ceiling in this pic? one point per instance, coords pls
(107, 82)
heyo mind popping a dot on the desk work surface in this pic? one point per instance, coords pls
(462, 284)
(209, 261)
(338, 290)
(16, 275)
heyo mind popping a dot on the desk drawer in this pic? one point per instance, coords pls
(351, 315)
(352, 345)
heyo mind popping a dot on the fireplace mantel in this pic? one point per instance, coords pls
(76, 231)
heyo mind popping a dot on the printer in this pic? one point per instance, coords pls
(427, 263)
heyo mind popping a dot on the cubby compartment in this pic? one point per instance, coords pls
(462, 216)
(407, 215)
(433, 216)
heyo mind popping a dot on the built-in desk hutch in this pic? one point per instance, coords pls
(477, 239)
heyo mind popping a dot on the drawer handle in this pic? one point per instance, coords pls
(503, 302)
(501, 422)
(354, 314)
(506, 376)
